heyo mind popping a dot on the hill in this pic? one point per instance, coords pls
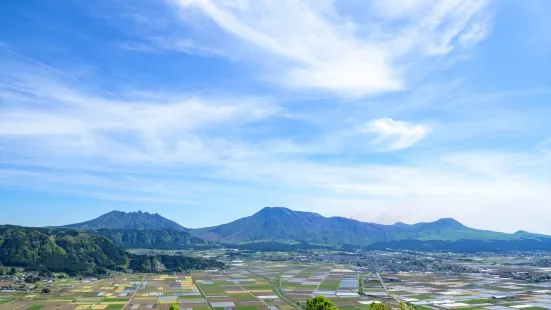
(529, 235)
(129, 220)
(282, 224)
(59, 251)
(77, 253)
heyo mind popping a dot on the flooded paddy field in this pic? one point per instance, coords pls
(256, 284)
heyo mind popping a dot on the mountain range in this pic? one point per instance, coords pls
(285, 226)
(281, 224)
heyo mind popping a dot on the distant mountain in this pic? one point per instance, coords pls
(285, 225)
(278, 228)
(130, 220)
(529, 235)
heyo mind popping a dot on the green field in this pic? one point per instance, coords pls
(480, 301)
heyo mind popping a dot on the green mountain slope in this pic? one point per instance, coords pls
(151, 238)
(77, 253)
(130, 220)
(59, 251)
(529, 235)
(275, 224)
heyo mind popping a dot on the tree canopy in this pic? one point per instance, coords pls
(403, 306)
(320, 303)
(380, 306)
(174, 307)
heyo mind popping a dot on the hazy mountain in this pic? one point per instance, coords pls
(285, 225)
(529, 235)
(281, 225)
(130, 220)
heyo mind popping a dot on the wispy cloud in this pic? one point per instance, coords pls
(319, 45)
(396, 135)
(544, 146)
(163, 44)
(66, 120)
(176, 149)
(237, 104)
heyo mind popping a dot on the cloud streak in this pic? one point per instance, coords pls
(351, 108)
(135, 127)
(319, 46)
(395, 135)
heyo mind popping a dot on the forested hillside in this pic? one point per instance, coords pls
(151, 238)
(144, 263)
(78, 253)
(59, 251)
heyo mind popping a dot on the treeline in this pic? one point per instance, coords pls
(465, 245)
(78, 253)
(159, 263)
(270, 246)
(459, 246)
(322, 303)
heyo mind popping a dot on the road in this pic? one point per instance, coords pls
(281, 294)
(134, 295)
(247, 291)
(201, 292)
(277, 289)
(386, 290)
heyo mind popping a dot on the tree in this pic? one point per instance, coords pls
(31, 279)
(320, 303)
(45, 273)
(13, 271)
(380, 306)
(403, 306)
(174, 307)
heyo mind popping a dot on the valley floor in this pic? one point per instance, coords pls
(253, 285)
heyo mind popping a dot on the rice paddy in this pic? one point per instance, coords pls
(252, 286)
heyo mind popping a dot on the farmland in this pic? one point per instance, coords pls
(255, 284)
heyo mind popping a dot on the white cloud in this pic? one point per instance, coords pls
(161, 149)
(160, 44)
(421, 189)
(396, 135)
(56, 120)
(321, 45)
(174, 149)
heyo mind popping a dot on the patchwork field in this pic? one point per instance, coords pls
(469, 291)
(258, 285)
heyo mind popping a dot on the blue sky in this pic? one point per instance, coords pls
(206, 111)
